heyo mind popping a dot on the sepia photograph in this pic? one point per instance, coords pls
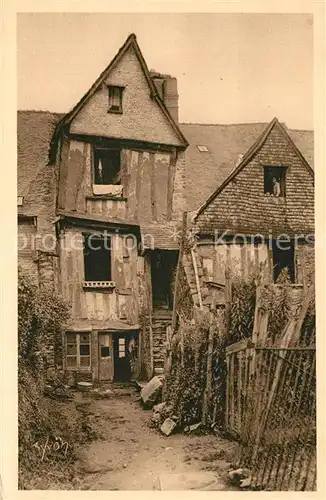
(166, 251)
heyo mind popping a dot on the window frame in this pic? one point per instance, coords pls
(97, 283)
(281, 172)
(95, 150)
(78, 366)
(111, 108)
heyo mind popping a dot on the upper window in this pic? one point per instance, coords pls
(107, 166)
(97, 258)
(115, 99)
(274, 181)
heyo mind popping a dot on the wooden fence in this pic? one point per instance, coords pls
(271, 404)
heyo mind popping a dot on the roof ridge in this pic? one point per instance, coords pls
(223, 124)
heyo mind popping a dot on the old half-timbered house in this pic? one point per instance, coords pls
(114, 184)
(260, 217)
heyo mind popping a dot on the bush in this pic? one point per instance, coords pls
(39, 312)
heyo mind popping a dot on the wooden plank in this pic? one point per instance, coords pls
(106, 305)
(75, 160)
(132, 200)
(243, 261)
(227, 392)
(127, 155)
(236, 347)
(80, 201)
(257, 267)
(178, 271)
(63, 175)
(171, 177)
(118, 265)
(138, 182)
(231, 391)
(208, 390)
(239, 388)
(161, 179)
(90, 299)
(194, 263)
(99, 306)
(153, 186)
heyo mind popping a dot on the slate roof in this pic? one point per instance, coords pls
(205, 172)
(34, 131)
(158, 236)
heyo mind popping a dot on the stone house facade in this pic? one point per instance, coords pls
(249, 223)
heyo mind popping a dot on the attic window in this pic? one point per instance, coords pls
(107, 166)
(274, 181)
(115, 99)
(203, 149)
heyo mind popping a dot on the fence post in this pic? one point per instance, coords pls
(177, 277)
(209, 364)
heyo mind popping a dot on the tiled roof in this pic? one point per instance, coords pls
(35, 177)
(164, 237)
(205, 171)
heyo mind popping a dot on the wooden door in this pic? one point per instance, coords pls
(105, 356)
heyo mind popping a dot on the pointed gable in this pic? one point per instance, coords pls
(241, 203)
(144, 116)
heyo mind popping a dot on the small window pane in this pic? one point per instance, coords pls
(71, 349)
(122, 341)
(85, 360)
(71, 338)
(105, 352)
(71, 361)
(84, 350)
(84, 339)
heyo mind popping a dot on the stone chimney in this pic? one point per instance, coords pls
(167, 88)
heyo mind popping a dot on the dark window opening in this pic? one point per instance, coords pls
(115, 99)
(97, 258)
(274, 181)
(105, 352)
(283, 261)
(107, 166)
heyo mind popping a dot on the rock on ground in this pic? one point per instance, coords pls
(151, 392)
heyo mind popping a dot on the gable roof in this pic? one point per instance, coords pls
(130, 42)
(208, 170)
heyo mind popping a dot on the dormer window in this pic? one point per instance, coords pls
(115, 99)
(274, 181)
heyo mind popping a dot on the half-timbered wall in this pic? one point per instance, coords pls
(153, 185)
(119, 304)
(240, 259)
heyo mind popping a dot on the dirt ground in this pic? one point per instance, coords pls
(129, 455)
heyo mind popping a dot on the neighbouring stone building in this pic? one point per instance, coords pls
(101, 193)
(259, 219)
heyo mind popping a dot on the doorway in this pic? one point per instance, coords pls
(105, 357)
(125, 353)
(163, 266)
